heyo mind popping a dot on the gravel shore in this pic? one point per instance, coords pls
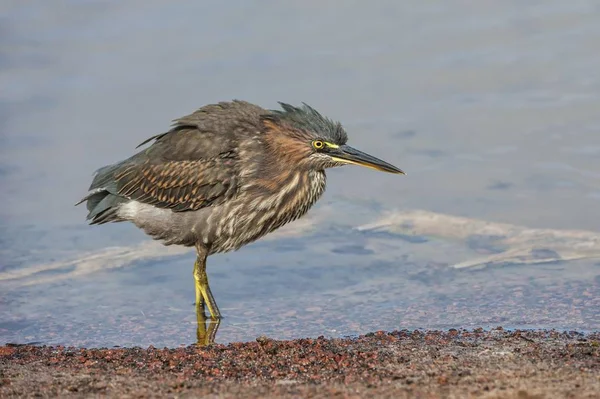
(398, 364)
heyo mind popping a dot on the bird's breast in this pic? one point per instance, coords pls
(259, 209)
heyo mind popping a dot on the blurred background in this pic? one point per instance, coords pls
(492, 108)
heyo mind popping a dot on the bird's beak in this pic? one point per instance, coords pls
(347, 154)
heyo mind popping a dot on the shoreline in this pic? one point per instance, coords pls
(494, 363)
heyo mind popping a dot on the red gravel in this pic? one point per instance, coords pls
(400, 364)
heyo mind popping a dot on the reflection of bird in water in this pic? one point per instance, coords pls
(223, 177)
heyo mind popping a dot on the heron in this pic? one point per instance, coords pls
(222, 177)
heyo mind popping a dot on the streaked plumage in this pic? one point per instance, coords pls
(224, 176)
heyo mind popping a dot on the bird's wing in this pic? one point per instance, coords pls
(208, 131)
(191, 166)
(179, 185)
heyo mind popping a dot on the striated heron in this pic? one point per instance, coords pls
(222, 177)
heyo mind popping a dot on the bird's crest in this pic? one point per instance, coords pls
(310, 119)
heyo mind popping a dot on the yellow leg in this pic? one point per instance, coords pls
(204, 296)
(199, 296)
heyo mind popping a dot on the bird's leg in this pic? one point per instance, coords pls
(204, 296)
(199, 298)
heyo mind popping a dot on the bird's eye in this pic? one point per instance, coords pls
(318, 144)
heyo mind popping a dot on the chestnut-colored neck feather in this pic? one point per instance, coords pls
(288, 146)
(287, 151)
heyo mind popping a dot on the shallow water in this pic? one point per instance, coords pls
(491, 109)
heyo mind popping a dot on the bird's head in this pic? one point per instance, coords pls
(303, 136)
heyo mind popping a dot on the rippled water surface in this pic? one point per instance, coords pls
(492, 109)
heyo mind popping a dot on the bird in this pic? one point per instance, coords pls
(222, 177)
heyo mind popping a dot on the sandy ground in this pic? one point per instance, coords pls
(399, 364)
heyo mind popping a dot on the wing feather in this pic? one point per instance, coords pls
(178, 185)
(191, 166)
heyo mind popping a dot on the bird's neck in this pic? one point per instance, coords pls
(282, 166)
(284, 151)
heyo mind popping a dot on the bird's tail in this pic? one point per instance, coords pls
(102, 199)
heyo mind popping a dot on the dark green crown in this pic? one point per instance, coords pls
(310, 119)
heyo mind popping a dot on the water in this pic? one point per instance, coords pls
(491, 109)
